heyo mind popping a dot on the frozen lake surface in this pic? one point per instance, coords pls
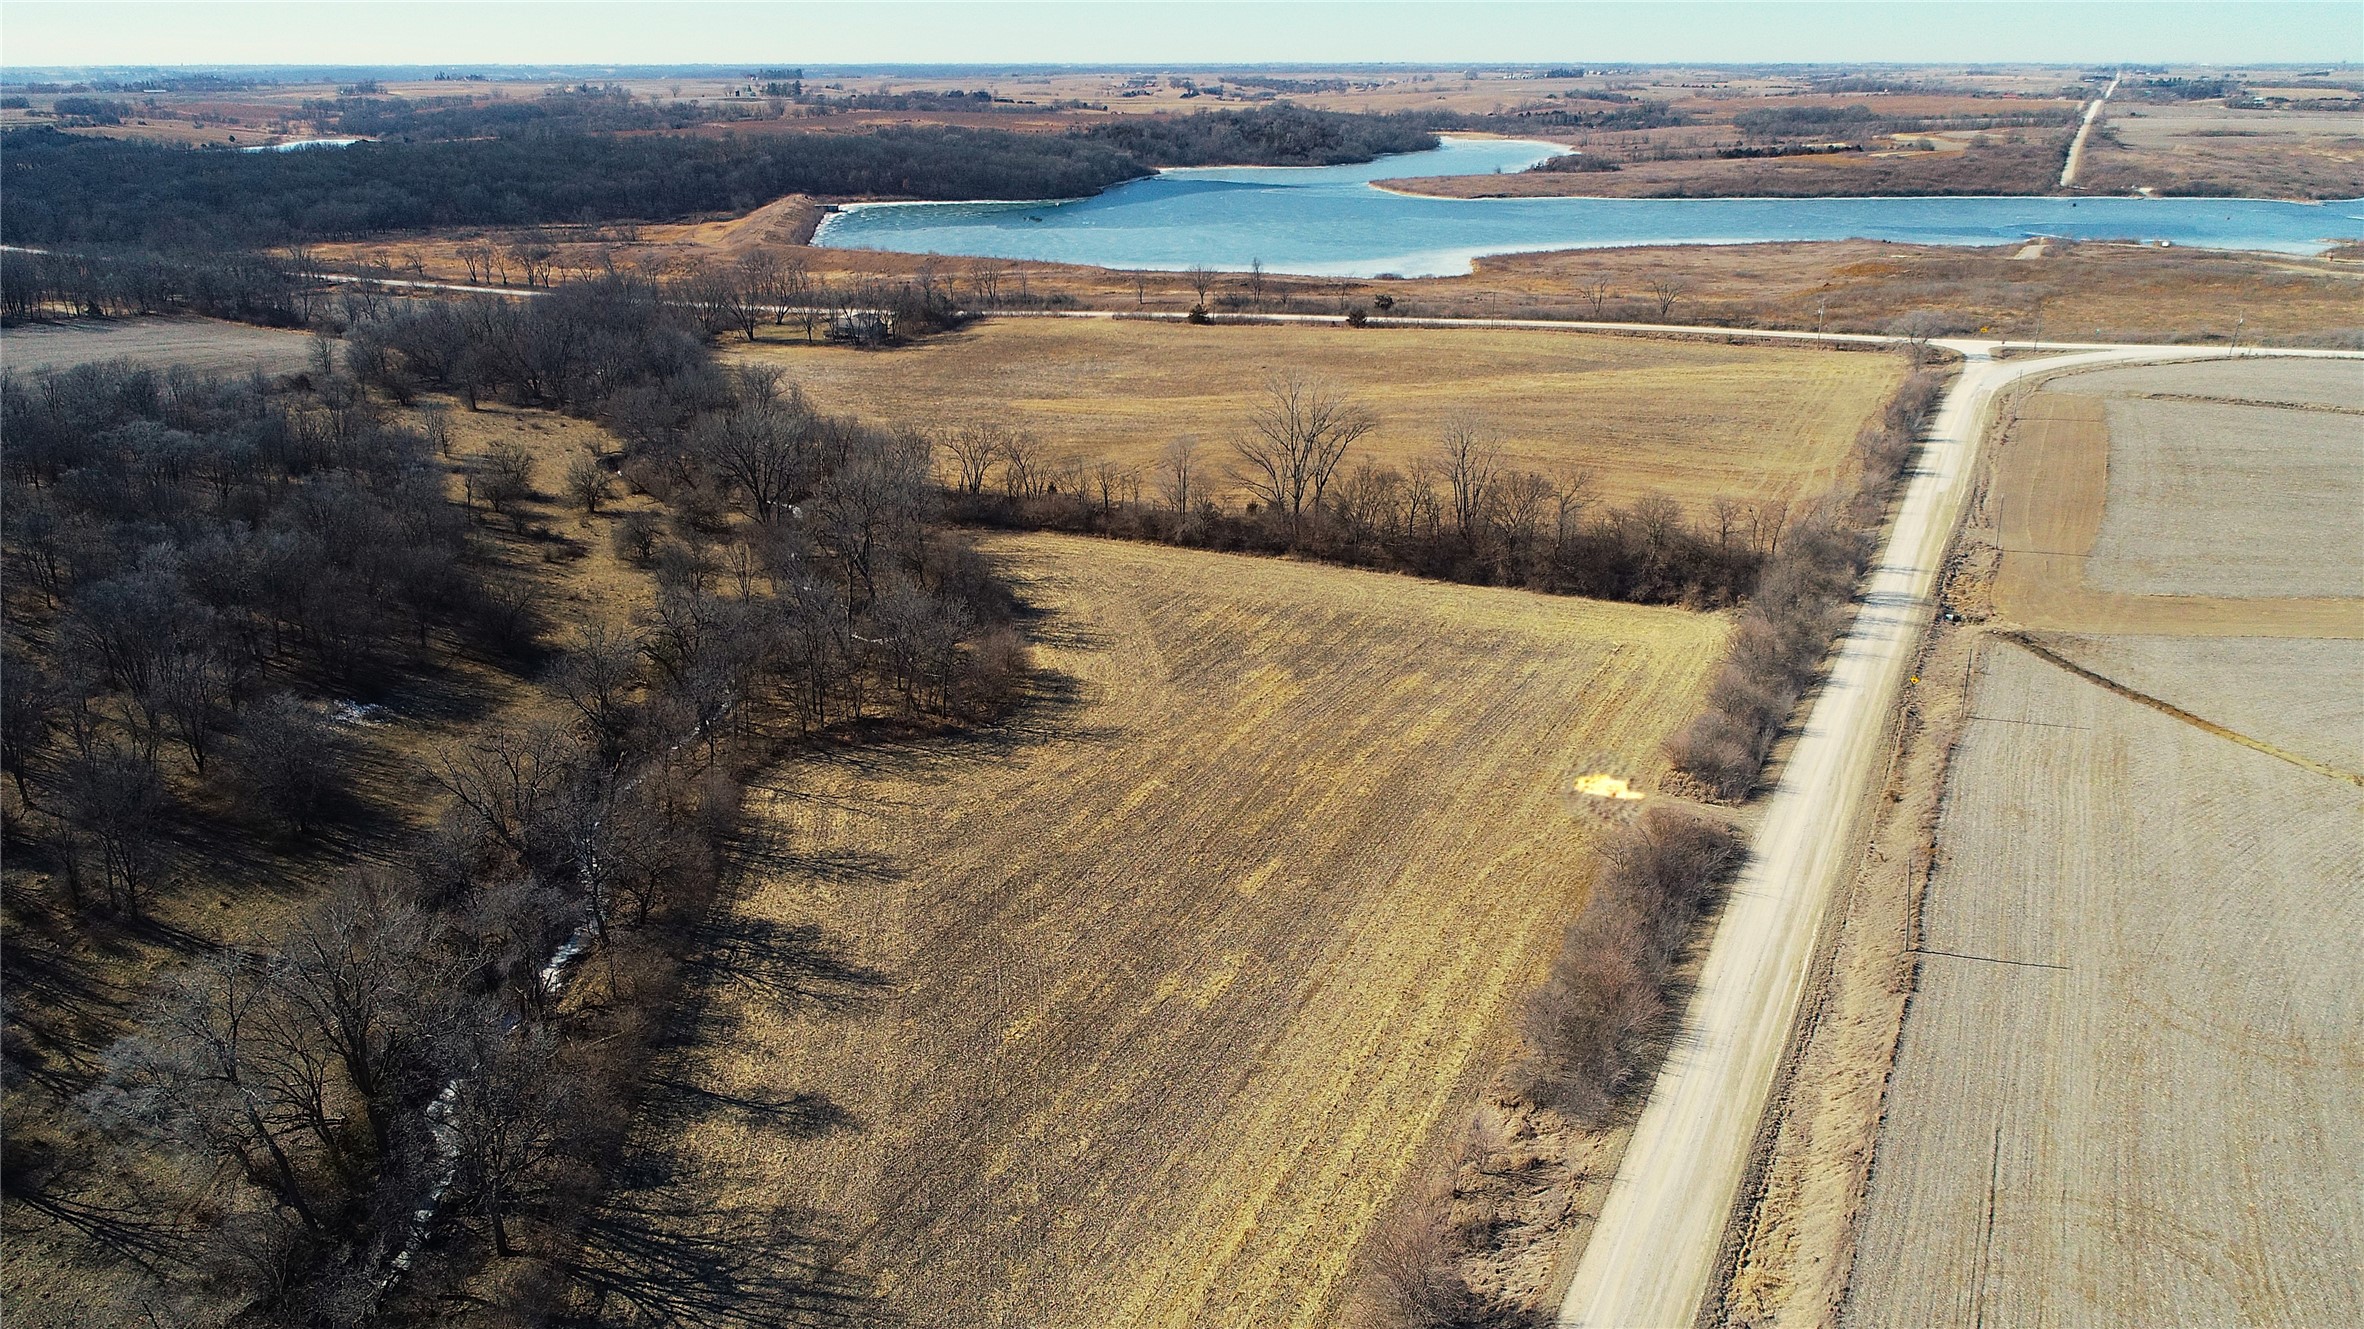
(1330, 221)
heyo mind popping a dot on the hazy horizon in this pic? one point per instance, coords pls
(378, 34)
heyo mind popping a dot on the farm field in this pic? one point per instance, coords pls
(196, 343)
(2129, 504)
(2125, 1090)
(1138, 1010)
(1695, 421)
(2121, 1095)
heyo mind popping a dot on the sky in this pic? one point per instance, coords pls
(793, 32)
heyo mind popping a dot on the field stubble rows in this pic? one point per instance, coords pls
(1145, 1006)
(2125, 1091)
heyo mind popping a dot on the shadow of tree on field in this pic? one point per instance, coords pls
(677, 1245)
(785, 963)
(679, 1103)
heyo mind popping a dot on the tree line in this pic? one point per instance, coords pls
(1459, 512)
(243, 287)
(65, 189)
(206, 576)
(547, 161)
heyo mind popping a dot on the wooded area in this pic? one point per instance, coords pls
(539, 164)
(211, 583)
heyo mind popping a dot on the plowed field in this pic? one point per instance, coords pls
(1138, 1011)
(2128, 506)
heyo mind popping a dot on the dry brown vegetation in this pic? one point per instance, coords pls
(1141, 1009)
(257, 925)
(201, 344)
(2060, 291)
(2210, 148)
(1696, 422)
(232, 871)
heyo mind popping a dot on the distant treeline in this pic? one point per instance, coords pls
(1267, 136)
(67, 189)
(527, 163)
(1859, 120)
(585, 110)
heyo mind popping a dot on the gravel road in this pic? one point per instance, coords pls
(1651, 1256)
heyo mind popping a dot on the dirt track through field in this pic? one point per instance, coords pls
(1137, 1012)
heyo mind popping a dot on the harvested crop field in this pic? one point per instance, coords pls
(2124, 1092)
(2126, 1089)
(198, 343)
(1137, 1011)
(2141, 501)
(2302, 695)
(2203, 496)
(1696, 421)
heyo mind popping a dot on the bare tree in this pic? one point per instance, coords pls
(766, 451)
(116, 801)
(508, 1118)
(1177, 469)
(1299, 433)
(974, 448)
(1024, 465)
(288, 761)
(478, 259)
(533, 253)
(1256, 284)
(598, 676)
(1597, 291)
(587, 484)
(1468, 460)
(1572, 496)
(1202, 280)
(1725, 512)
(1667, 290)
(504, 479)
(1766, 524)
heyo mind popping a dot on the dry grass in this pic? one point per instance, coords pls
(2076, 291)
(1139, 1010)
(2211, 148)
(197, 343)
(1697, 421)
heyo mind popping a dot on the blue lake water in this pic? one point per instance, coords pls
(1330, 221)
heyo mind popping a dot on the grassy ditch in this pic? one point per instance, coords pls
(1800, 607)
(1599, 1024)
